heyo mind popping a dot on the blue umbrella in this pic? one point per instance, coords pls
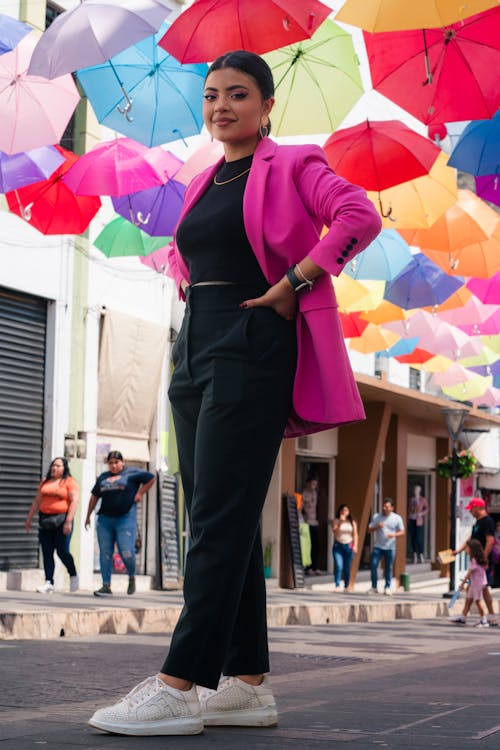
(11, 33)
(146, 94)
(401, 347)
(478, 148)
(382, 260)
(422, 283)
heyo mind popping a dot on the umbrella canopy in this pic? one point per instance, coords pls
(379, 155)
(352, 325)
(417, 357)
(155, 210)
(417, 324)
(203, 157)
(440, 75)
(478, 148)
(383, 313)
(50, 206)
(35, 111)
(387, 15)
(493, 369)
(304, 72)
(489, 327)
(147, 94)
(11, 33)
(209, 28)
(456, 374)
(487, 290)
(383, 259)
(420, 283)
(119, 167)
(482, 259)
(457, 299)
(120, 238)
(488, 188)
(94, 31)
(157, 260)
(438, 363)
(419, 202)
(473, 313)
(373, 339)
(491, 397)
(28, 166)
(353, 295)
(485, 355)
(471, 389)
(402, 348)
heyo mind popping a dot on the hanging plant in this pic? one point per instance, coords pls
(466, 465)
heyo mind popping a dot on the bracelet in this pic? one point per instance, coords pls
(309, 282)
(296, 283)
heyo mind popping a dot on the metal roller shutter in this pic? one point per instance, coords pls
(23, 324)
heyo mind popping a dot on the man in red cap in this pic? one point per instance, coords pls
(484, 531)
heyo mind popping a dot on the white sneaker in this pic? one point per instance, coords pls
(152, 708)
(387, 592)
(235, 703)
(47, 588)
(483, 623)
(372, 591)
(74, 584)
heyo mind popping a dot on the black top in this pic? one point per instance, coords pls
(212, 238)
(482, 528)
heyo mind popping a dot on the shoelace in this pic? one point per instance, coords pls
(145, 689)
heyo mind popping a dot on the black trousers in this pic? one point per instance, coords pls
(231, 394)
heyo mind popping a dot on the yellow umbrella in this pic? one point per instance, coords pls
(492, 343)
(419, 202)
(373, 339)
(384, 313)
(353, 295)
(470, 389)
(486, 357)
(397, 15)
(437, 364)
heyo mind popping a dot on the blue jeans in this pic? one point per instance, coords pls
(53, 540)
(388, 555)
(122, 531)
(342, 559)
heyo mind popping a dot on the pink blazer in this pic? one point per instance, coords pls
(291, 194)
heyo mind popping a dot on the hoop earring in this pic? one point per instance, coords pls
(211, 138)
(263, 131)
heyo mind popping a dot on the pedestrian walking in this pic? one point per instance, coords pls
(56, 502)
(475, 581)
(249, 259)
(119, 489)
(345, 545)
(386, 526)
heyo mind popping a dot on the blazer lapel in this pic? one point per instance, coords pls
(253, 201)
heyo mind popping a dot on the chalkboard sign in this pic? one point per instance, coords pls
(292, 527)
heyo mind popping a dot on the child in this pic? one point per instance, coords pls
(476, 575)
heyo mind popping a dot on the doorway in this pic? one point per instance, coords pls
(306, 467)
(424, 481)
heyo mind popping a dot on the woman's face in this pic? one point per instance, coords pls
(344, 512)
(115, 465)
(57, 469)
(233, 107)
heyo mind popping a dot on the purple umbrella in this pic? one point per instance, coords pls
(488, 188)
(493, 369)
(28, 167)
(155, 210)
(11, 33)
(421, 284)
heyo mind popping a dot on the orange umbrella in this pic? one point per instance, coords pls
(373, 339)
(385, 312)
(481, 259)
(457, 299)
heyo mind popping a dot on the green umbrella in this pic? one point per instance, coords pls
(317, 82)
(121, 237)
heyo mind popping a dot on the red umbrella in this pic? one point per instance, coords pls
(352, 325)
(417, 357)
(50, 206)
(440, 75)
(208, 28)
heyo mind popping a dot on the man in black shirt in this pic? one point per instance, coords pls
(484, 531)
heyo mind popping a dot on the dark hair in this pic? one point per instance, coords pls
(388, 500)
(341, 507)
(252, 65)
(477, 551)
(66, 471)
(114, 454)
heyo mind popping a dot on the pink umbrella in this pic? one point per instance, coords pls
(490, 327)
(157, 260)
(487, 290)
(454, 375)
(444, 339)
(202, 158)
(491, 397)
(119, 167)
(34, 111)
(420, 323)
(472, 315)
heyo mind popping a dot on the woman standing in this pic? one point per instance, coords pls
(260, 353)
(120, 489)
(418, 507)
(345, 546)
(56, 502)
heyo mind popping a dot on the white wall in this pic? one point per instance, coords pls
(421, 452)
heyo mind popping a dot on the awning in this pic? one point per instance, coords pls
(131, 356)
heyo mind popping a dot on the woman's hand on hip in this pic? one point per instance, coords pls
(281, 297)
(67, 527)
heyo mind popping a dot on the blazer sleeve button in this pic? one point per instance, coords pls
(354, 241)
(340, 260)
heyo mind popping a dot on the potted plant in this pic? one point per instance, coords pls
(268, 559)
(466, 465)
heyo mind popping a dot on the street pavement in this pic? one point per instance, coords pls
(363, 685)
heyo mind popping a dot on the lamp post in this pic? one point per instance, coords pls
(454, 419)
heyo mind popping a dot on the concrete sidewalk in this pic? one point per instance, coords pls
(26, 615)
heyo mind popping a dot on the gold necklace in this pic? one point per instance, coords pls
(225, 182)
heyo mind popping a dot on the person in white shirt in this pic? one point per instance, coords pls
(386, 526)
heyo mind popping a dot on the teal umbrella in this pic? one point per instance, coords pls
(120, 237)
(383, 259)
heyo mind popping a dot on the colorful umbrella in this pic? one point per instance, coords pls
(94, 31)
(119, 167)
(421, 283)
(469, 390)
(417, 324)
(209, 153)
(384, 313)
(489, 327)
(456, 374)
(488, 188)
(438, 363)
(209, 28)
(457, 299)
(379, 155)
(35, 111)
(387, 15)
(402, 348)
(486, 356)
(419, 202)
(353, 295)
(417, 357)
(383, 259)
(352, 325)
(157, 260)
(493, 369)
(27, 167)
(477, 150)
(491, 397)
(473, 313)
(155, 210)
(120, 237)
(373, 339)
(11, 33)
(146, 94)
(50, 206)
(440, 75)
(482, 259)
(305, 72)
(487, 290)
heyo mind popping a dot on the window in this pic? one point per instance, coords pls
(415, 379)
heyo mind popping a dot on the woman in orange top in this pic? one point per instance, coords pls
(56, 501)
